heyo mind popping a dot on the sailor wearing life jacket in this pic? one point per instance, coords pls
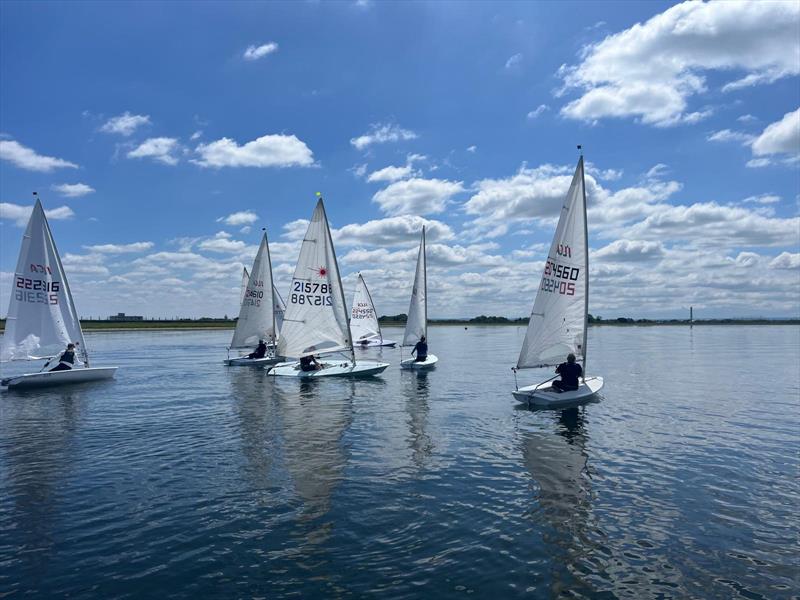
(67, 360)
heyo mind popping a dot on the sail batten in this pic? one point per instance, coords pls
(315, 320)
(558, 318)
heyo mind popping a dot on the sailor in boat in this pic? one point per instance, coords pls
(67, 359)
(570, 372)
(309, 363)
(260, 351)
(421, 349)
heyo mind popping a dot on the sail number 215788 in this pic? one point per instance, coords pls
(312, 294)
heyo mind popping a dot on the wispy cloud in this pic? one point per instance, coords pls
(26, 158)
(538, 111)
(120, 248)
(255, 52)
(72, 190)
(514, 61)
(125, 124)
(381, 134)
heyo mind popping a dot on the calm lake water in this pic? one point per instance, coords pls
(187, 479)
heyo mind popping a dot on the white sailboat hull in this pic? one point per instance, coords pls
(429, 363)
(376, 343)
(57, 378)
(547, 396)
(243, 361)
(343, 369)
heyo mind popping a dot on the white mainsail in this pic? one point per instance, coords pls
(558, 320)
(279, 306)
(316, 315)
(41, 317)
(256, 319)
(363, 318)
(417, 322)
(245, 279)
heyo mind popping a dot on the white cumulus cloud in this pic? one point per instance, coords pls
(243, 217)
(267, 151)
(255, 52)
(390, 174)
(651, 70)
(781, 137)
(20, 214)
(72, 190)
(125, 124)
(538, 111)
(161, 149)
(417, 196)
(26, 158)
(514, 61)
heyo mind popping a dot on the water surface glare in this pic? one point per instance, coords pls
(187, 479)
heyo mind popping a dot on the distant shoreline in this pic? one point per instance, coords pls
(179, 325)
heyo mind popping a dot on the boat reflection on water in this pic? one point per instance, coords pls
(557, 461)
(314, 418)
(416, 390)
(40, 428)
(259, 430)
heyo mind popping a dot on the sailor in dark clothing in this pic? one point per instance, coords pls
(421, 348)
(66, 360)
(309, 363)
(570, 371)
(261, 350)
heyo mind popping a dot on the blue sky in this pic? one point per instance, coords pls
(191, 126)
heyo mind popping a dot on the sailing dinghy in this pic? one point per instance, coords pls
(558, 323)
(417, 322)
(316, 314)
(257, 319)
(42, 318)
(364, 323)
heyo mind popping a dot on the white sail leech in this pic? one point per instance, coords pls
(41, 301)
(256, 320)
(363, 318)
(245, 279)
(315, 320)
(417, 320)
(557, 325)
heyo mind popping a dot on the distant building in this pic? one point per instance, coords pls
(124, 317)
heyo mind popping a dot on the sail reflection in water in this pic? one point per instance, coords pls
(416, 390)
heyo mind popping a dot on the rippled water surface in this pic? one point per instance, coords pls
(187, 479)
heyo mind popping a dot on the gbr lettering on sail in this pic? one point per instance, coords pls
(560, 278)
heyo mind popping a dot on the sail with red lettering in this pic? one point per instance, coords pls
(558, 320)
(41, 317)
(315, 320)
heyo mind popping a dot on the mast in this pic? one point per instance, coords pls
(341, 289)
(271, 291)
(425, 279)
(586, 265)
(84, 351)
